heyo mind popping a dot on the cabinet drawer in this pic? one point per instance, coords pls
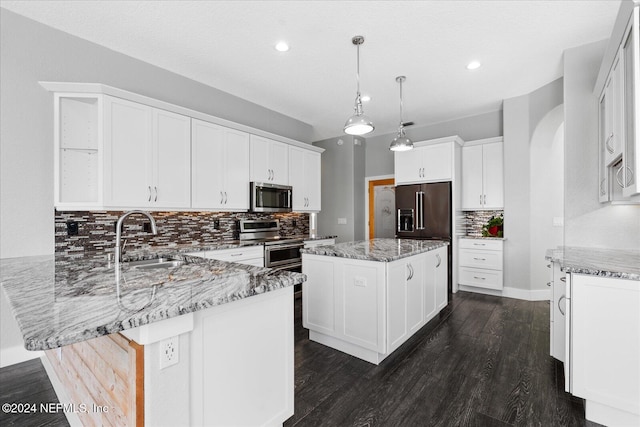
(490, 279)
(489, 244)
(237, 254)
(481, 259)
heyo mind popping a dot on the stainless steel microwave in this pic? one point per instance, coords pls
(270, 197)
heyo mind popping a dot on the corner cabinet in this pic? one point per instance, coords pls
(483, 175)
(304, 176)
(269, 161)
(429, 161)
(147, 156)
(220, 167)
(619, 121)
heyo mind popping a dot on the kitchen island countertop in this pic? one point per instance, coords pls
(382, 250)
(615, 263)
(59, 300)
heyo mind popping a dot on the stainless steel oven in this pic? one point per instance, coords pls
(280, 253)
(270, 197)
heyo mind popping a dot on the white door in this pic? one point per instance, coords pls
(207, 157)
(297, 178)
(408, 166)
(415, 295)
(128, 153)
(493, 176)
(441, 278)
(279, 162)
(259, 163)
(398, 273)
(472, 177)
(430, 278)
(313, 180)
(171, 160)
(437, 162)
(236, 170)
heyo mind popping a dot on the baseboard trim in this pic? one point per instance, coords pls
(515, 293)
(17, 354)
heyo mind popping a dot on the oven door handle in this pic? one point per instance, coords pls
(286, 267)
(278, 247)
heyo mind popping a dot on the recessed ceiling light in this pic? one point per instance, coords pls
(282, 47)
(473, 65)
(365, 98)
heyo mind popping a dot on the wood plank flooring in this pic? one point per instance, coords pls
(483, 362)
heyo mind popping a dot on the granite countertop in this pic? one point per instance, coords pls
(383, 250)
(615, 263)
(58, 300)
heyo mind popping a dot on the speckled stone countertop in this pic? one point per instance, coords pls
(58, 301)
(616, 263)
(383, 250)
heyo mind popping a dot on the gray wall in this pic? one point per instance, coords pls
(521, 117)
(379, 160)
(32, 52)
(587, 222)
(342, 188)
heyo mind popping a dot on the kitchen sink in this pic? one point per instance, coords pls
(155, 263)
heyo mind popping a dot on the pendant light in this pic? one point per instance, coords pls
(358, 124)
(401, 142)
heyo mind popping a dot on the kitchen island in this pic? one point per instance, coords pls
(160, 345)
(366, 298)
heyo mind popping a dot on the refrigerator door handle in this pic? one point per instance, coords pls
(420, 209)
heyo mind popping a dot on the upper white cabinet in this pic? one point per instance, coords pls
(147, 156)
(269, 161)
(483, 175)
(429, 161)
(115, 149)
(304, 176)
(619, 121)
(220, 167)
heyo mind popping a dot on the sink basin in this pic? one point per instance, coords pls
(155, 263)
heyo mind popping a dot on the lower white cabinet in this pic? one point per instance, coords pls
(250, 255)
(604, 347)
(369, 308)
(480, 263)
(557, 312)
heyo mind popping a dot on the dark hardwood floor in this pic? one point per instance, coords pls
(483, 362)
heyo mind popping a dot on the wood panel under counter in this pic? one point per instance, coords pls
(366, 298)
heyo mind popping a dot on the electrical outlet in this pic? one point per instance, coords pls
(72, 228)
(294, 223)
(169, 352)
(216, 224)
(146, 227)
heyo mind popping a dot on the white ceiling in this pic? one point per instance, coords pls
(229, 45)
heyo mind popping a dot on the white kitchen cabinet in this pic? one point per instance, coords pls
(480, 263)
(147, 156)
(220, 167)
(428, 162)
(557, 311)
(269, 161)
(319, 242)
(304, 176)
(405, 299)
(619, 121)
(604, 348)
(483, 175)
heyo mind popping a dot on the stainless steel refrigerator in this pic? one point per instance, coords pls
(423, 211)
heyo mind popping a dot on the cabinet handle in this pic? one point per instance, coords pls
(439, 260)
(225, 197)
(563, 279)
(606, 144)
(479, 259)
(410, 272)
(629, 178)
(156, 191)
(236, 254)
(484, 199)
(548, 283)
(548, 265)
(149, 193)
(480, 199)
(221, 198)
(480, 278)
(423, 172)
(479, 244)
(560, 308)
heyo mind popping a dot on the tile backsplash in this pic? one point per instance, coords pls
(96, 229)
(474, 220)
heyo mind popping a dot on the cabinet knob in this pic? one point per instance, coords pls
(439, 260)
(548, 283)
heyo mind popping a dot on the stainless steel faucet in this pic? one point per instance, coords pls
(154, 230)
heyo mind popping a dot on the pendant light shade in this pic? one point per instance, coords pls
(359, 123)
(401, 142)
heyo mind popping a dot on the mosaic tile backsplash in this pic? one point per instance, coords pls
(96, 229)
(474, 220)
